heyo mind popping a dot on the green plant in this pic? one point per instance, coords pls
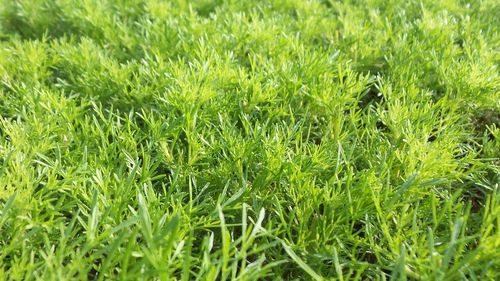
(216, 140)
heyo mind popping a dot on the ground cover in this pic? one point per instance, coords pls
(274, 140)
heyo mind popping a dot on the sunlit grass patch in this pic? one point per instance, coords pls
(249, 140)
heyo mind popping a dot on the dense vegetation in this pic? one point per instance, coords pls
(213, 140)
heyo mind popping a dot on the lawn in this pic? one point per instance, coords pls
(249, 140)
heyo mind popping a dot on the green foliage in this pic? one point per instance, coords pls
(221, 140)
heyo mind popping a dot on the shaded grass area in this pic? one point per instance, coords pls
(216, 140)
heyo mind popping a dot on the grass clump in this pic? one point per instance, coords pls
(216, 140)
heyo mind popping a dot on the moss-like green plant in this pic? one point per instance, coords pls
(247, 140)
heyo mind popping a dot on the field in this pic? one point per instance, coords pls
(249, 140)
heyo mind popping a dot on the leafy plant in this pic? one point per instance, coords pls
(246, 140)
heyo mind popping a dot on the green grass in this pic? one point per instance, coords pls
(274, 140)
